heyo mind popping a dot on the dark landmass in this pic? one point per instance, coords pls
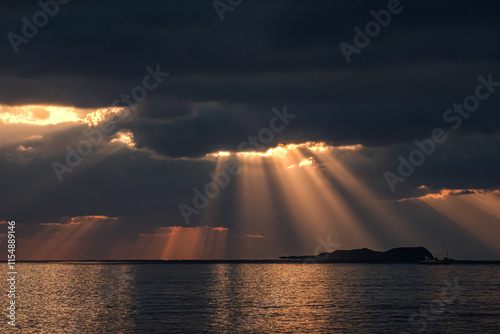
(365, 255)
(286, 260)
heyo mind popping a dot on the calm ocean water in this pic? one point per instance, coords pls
(255, 298)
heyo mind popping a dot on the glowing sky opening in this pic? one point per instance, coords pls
(52, 115)
(284, 149)
(125, 137)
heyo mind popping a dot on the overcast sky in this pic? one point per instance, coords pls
(224, 79)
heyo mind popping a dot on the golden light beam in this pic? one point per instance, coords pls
(209, 213)
(478, 214)
(255, 204)
(182, 243)
(314, 207)
(394, 225)
(66, 241)
(306, 213)
(337, 208)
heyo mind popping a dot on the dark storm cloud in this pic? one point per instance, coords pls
(226, 77)
(264, 54)
(209, 130)
(466, 161)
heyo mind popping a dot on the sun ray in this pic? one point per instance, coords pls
(474, 213)
(68, 239)
(182, 243)
(393, 224)
(314, 208)
(255, 204)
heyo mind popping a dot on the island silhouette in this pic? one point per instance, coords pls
(365, 255)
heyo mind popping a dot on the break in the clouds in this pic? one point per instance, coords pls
(93, 59)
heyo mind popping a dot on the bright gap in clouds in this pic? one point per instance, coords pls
(125, 137)
(283, 149)
(51, 115)
(32, 122)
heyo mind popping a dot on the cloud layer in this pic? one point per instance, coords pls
(225, 79)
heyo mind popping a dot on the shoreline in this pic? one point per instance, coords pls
(263, 261)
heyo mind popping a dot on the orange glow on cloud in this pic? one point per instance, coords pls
(444, 193)
(32, 122)
(81, 219)
(306, 162)
(38, 114)
(96, 116)
(253, 236)
(125, 137)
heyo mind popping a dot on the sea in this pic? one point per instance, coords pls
(253, 298)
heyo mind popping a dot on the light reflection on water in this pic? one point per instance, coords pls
(64, 298)
(251, 298)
